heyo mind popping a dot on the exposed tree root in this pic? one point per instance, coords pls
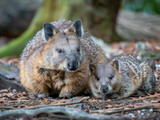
(70, 113)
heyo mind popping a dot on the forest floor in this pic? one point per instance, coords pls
(142, 107)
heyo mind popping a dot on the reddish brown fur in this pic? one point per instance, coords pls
(46, 79)
(40, 77)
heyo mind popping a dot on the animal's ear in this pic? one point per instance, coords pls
(49, 30)
(92, 68)
(77, 28)
(115, 65)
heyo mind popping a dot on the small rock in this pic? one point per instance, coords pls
(9, 77)
(131, 114)
(143, 110)
(139, 111)
(151, 110)
(9, 71)
(14, 90)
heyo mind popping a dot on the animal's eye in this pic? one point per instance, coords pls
(60, 51)
(110, 77)
(97, 78)
(78, 50)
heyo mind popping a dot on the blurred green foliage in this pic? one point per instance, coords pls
(144, 6)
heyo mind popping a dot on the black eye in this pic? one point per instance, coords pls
(78, 50)
(97, 78)
(110, 77)
(60, 51)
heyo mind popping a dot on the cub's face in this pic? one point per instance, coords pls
(108, 76)
(63, 50)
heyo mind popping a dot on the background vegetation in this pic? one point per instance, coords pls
(99, 18)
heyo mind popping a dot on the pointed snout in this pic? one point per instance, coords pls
(104, 89)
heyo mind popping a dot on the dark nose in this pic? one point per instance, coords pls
(104, 89)
(73, 66)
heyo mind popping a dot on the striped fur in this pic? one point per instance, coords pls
(136, 75)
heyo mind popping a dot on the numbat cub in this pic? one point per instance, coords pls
(122, 77)
(55, 62)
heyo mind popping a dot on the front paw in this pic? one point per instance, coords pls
(43, 95)
(65, 95)
(114, 96)
(138, 93)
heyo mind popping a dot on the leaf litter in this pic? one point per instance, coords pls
(146, 107)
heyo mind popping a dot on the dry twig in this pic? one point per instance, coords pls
(61, 104)
(114, 110)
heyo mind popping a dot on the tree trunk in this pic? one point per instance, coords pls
(50, 10)
(99, 16)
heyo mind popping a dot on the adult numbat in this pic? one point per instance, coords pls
(55, 62)
(121, 77)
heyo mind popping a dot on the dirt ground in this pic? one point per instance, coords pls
(146, 107)
(134, 107)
